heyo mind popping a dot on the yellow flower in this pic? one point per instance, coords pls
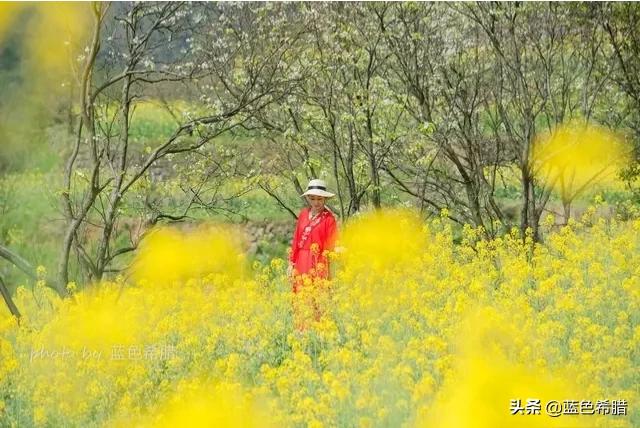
(408, 336)
(41, 272)
(71, 287)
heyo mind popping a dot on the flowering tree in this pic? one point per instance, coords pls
(138, 50)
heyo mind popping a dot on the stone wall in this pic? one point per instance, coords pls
(273, 232)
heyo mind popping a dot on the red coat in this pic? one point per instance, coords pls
(324, 232)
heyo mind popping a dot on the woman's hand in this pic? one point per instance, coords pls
(290, 270)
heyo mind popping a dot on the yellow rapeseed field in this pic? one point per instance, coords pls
(415, 331)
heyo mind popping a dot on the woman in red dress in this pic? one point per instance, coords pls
(316, 233)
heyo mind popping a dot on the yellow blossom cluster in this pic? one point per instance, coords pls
(411, 330)
(577, 156)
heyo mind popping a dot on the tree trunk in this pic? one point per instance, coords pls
(74, 220)
(7, 298)
(114, 199)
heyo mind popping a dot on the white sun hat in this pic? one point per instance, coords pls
(318, 188)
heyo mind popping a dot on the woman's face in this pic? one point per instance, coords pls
(316, 202)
